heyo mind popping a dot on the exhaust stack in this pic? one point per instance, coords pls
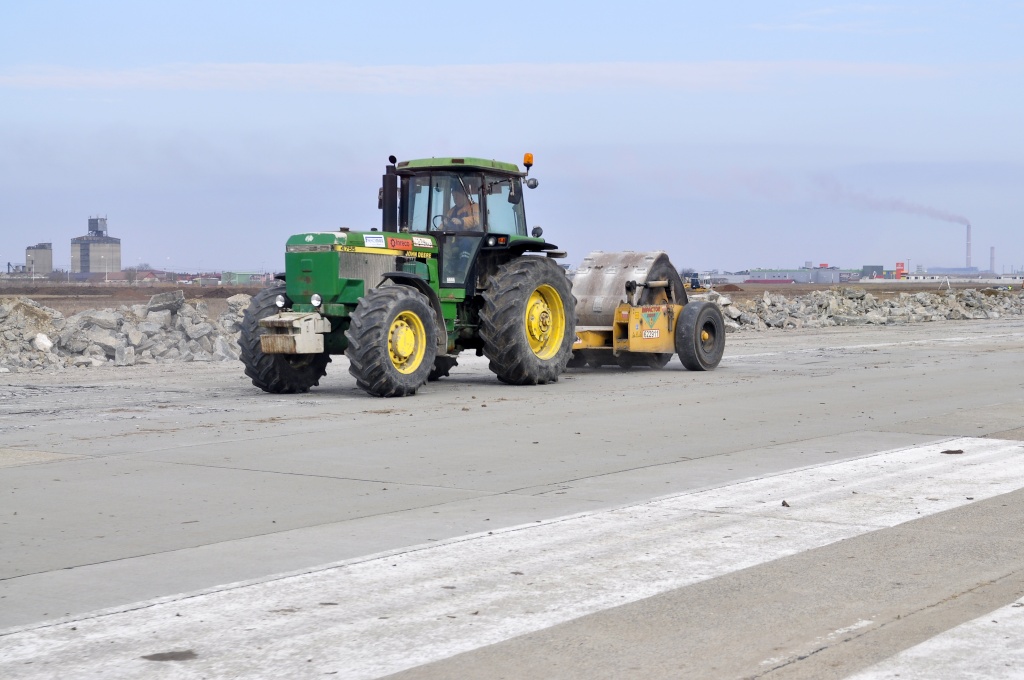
(968, 245)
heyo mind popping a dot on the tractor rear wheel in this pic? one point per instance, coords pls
(392, 341)
(700, 336)
(277, 373)
(528, 321)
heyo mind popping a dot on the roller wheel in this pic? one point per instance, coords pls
(528, 321)
(700, 336)
(392, 341)
(441, 367)
(276, 373)
(659, 296)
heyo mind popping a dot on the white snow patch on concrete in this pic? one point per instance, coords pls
(368, 617)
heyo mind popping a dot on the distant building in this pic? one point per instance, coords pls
(96, 252)
(822, 274)
(872, 271)
(39, 259)
(244, 278)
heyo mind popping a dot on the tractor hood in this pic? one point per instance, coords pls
(373, 242)
(340, 266)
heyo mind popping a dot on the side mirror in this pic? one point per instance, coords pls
(515, 197)
(532, 183)
(537, 232)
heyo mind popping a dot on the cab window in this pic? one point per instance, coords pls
(503, 216)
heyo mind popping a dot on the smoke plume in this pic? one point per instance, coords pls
(833, 191)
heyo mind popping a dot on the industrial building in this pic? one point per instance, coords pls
(243, 278)
(96, 252)
(39, 259)
(823, 274)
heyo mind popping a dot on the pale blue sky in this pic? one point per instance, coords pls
(732, 135)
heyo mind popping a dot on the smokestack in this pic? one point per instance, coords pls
(968, 245)
(992, 260)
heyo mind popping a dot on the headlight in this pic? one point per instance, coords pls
(492, 241)
(280, 301)
(316, 300)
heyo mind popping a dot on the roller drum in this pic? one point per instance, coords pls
(600, 283)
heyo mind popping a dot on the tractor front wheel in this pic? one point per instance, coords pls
(700, 336)
(528, 321)
(392, 341)
(277, 373)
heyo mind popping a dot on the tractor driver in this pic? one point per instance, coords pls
(464, 214)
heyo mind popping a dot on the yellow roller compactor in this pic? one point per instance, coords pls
(632, 310)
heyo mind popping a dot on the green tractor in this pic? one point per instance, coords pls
(453, 268)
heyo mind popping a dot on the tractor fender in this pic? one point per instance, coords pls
(526, 245)
(413, 281)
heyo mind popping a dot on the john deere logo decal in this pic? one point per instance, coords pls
(651, 318)
(309, 238)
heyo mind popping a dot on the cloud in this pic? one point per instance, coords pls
(476, 78)
(850, 8)
(850, 18)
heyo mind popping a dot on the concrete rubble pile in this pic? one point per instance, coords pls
(166, 329)
(169, 329)
(856, 306)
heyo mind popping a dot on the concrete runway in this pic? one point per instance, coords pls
(121, 485)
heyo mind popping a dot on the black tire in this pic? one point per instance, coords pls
(658, 361)
(628, 362)
(577, 360)
(700, 336)
(528, 321)
(392, 341)
(442, 365)
(276, 373)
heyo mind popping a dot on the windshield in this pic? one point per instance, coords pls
(450, 201)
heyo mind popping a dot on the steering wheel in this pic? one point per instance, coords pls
(440, 222)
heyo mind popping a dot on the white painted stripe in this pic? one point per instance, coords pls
(409, 607)
(987, 647)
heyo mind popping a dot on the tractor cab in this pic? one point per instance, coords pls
(467, 204)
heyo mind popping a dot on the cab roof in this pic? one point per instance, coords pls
(459, 163)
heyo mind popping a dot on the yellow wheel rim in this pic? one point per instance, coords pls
(407, 342)
(545, 322)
